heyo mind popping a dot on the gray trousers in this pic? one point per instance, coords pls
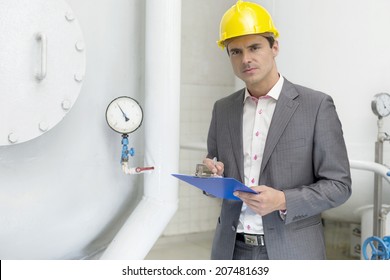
(244, 251)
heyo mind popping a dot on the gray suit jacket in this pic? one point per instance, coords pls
(305, 156)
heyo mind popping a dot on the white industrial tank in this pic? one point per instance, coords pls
(62, 192)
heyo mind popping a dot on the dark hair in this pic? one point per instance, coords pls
(270, 39)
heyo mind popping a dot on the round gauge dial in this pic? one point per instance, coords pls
(380, 105)
(124, 114)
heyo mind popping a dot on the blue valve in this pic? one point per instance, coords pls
(125, 149)
(132, 152)
(380, 248)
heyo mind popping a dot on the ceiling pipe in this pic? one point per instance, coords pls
(162, 121)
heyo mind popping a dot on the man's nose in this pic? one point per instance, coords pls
(246, 57)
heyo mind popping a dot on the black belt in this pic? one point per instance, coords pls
(251, 239)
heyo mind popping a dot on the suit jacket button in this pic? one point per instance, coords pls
(234, 228)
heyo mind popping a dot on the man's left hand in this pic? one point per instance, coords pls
(266, 201)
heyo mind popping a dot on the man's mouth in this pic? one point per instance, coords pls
(248, 70)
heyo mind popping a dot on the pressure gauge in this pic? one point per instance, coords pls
(124, 115)
(380, 105)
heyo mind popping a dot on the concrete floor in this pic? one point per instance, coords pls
(197, 246)
(194, 246)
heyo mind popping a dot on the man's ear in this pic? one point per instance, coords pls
(275, 48)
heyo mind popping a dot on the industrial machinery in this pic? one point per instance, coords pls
(379, 247)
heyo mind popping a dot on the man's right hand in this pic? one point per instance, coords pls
(216, 167)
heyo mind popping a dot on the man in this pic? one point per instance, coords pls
(283, 140)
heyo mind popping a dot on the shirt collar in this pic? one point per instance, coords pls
(273, 93)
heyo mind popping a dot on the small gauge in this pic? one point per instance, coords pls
(124, 115)
(380, 105)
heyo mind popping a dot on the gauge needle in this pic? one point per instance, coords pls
(123, 113)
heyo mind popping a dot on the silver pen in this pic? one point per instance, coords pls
(215, 164)
(215, 161)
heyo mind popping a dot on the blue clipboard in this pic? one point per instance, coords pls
(216, 186)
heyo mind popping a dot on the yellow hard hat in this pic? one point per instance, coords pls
(245, 18)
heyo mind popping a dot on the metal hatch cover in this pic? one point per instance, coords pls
(42, 67)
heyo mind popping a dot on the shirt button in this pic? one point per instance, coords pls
(255, 157)
(257, 133)
(260, 111)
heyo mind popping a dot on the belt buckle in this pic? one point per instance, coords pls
(251, 240)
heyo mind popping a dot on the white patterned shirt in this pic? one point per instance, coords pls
(257, 118)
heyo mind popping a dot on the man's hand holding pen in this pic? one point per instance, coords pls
(215, 166)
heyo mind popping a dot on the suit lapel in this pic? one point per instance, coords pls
(285, 108)
(235, 127)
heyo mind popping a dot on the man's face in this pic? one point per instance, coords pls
(253, 59)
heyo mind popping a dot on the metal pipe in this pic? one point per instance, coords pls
(378, 224)
(377, 168)
(162, 114)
